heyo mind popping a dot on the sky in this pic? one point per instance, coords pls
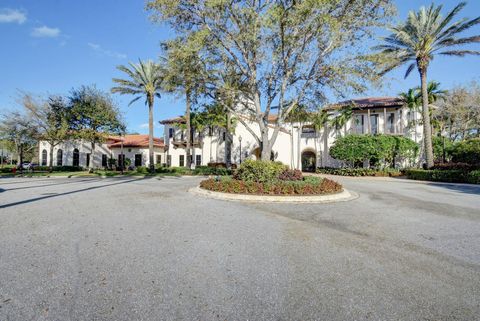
(50, 47)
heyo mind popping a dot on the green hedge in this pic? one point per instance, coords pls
(308, 186)
(199, 170)
(65, 168)
(448, 176)
(359, 171)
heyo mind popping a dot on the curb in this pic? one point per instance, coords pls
(343, 196)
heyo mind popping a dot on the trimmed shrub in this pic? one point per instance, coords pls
(450, 166)
(310, 186)
(467, 151)
(360, 172)
(65, 168)
(291, 175)
(448, 176)
(259, 171)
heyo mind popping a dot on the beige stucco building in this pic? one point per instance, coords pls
(298, 144)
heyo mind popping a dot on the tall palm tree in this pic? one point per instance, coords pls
(425, 34)
(145, 81)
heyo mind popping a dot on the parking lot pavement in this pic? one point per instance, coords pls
(146, 249)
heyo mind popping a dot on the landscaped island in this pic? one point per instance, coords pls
(270, 178)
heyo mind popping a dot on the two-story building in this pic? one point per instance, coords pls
(298, 145)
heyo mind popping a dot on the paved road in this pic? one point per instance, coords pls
(146, 249)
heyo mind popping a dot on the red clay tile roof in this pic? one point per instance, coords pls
(368, 102)
(134, 141)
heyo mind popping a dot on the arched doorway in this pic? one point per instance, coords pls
(309, 161)
(59, 157)
(44, 157)
(76, 158)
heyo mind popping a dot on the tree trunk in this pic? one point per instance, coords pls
(427, 129)
(150, 133)
(92, 158)
(265, 148)
(50, 163)
(228, 142)
(299, 152)
(189, 129)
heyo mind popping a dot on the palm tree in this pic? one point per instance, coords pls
(320, 121)
(425, 34)
(434, 93)
(341, 120)
(145, 81)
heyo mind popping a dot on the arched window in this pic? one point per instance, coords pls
(59, 157)
(44, 157)
(76, 157)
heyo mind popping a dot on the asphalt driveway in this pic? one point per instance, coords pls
(146, 249)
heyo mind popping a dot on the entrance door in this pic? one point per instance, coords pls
(138, 160)
(88, 160)
(308, 161)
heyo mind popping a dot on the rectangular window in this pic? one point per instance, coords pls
(170, 132)
(210, 131)
(359, 124)
(181, 160)
(138, 160)
(104, 160)
(391, 123)
(308, 130)
(159, 159)
(374, 124)
(198, 160)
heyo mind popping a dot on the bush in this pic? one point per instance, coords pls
(309, 186)
(142, 170)
(449, 176)
(467, 151)
(291, 175)
(438, 147)
(259, 171)
(359, 171)
(373, 148)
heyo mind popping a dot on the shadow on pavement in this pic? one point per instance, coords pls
(68, 193)
(75, 180)
(462, 188)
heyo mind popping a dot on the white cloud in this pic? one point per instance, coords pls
(145, 125)
(45, 32)
(12, 16)
(105, 52)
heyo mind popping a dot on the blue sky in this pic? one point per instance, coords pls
(52, 46)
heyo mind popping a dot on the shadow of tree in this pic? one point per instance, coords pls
(71, 192)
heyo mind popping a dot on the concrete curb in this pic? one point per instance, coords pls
(343, 196)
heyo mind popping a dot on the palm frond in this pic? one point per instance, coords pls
(460, 53)
(409, 70)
